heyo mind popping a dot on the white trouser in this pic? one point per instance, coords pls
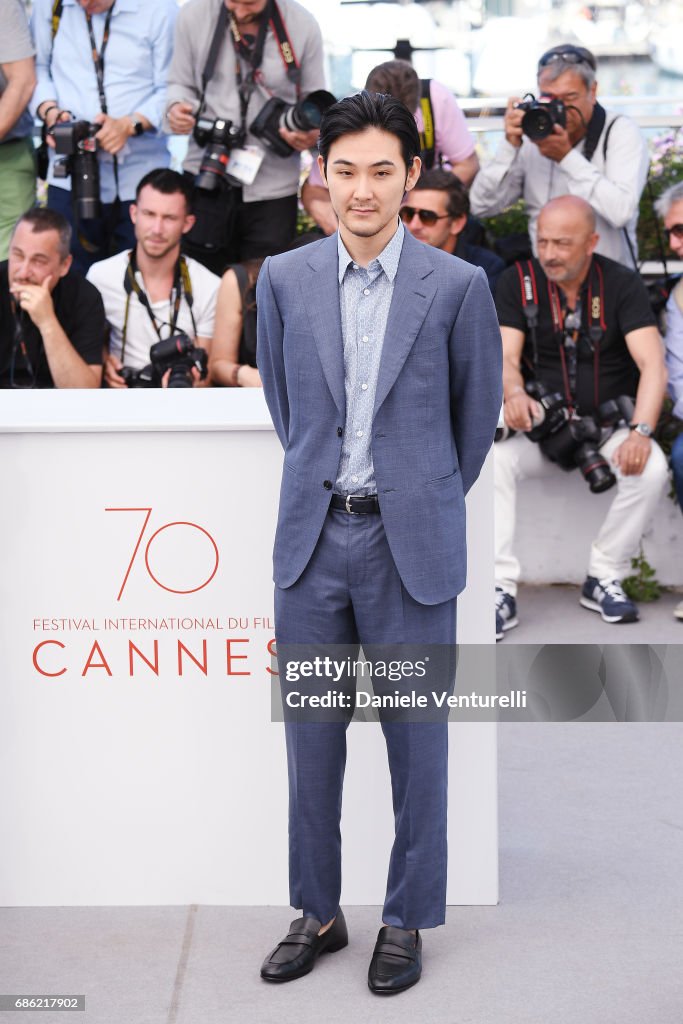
(628, 516)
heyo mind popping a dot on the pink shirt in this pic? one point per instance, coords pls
(453, 139)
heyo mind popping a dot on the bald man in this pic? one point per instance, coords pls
(583, 366)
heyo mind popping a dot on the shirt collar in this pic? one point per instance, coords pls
(387, 259)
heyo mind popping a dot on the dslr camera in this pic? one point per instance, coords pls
(573, 440)
(177, 354)
(296, 117)
(220, 137)
(76, 148)
(541, 116)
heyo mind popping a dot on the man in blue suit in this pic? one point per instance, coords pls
(381, 364)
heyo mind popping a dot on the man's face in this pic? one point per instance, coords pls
(34, 256)
(246, 11)
(95, 6)
(443, 233)
(160, 221)
(674, 217)
(571, 89)
(367, 178)
(565, 244)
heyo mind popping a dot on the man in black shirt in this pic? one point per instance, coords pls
(436, 211)
(580, 326)
(52, 325)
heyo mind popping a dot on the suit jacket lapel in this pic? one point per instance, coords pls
(413, 295)
(320, 296)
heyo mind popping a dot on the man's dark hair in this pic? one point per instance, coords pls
(41, 219)
(439, 180)
(370, 110)
(162, 179)
(396, 78)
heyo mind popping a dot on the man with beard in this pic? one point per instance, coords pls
(231, 59)
(579, 326)
(51, 320)
(152, 292)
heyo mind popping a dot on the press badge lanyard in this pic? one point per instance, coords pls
(98, 62)
(181, 285)
(19, 344)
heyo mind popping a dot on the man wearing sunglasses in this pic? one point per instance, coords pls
(669, 206)
(598, 156)
(436, 213)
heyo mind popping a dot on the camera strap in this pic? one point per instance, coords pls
(98, 63)
(182, 285)
(594, 131)
(19, 345)
(596, 330)
(428, 133)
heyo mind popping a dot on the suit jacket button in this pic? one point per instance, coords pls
(327, 484)
(339, 431)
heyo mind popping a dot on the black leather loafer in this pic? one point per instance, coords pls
(396, 962)
(297, 953)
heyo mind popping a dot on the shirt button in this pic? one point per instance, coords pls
(354, 479)
(366, 291)
(365, 338)
(355, 266)
(364, 387)
(359, 433)
(339, 431)
(327, 484)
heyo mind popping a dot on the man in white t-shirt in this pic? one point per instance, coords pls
(152, 292)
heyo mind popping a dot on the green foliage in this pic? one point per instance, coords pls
(666, 168)
(643, 586)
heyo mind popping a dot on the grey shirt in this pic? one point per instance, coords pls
(365, 295)
(15, 44)
(278, 176)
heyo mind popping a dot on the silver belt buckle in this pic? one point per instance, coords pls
(347, 504)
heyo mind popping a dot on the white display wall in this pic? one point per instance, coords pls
(153, 775)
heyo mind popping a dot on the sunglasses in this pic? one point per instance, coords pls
(427, 217)
(676, 231)
(570, 55)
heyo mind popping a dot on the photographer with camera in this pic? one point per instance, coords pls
(52, 325)
(159, 304)
(101, 93)
(566, 143)
(247, 85)
(583, 379)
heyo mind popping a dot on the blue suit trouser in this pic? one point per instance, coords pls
(351, 593)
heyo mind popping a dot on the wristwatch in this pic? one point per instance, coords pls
(138, 127)
(644, 429)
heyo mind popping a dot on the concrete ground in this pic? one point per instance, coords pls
(588, 930)
(552, 614)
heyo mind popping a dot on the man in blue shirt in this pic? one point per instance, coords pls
(106, 63)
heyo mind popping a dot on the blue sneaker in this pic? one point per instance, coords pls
(608, 597)
(506, 612)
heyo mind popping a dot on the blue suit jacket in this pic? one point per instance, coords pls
(436, 408)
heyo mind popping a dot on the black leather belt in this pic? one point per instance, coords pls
(356, 504)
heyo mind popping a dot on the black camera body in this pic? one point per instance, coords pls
(177, 354)
(303, 116)
(220, 137)
(76, 148)
(541, 116)
(573, 441)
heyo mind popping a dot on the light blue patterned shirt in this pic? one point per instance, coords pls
(364, 296)
(136, 63)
